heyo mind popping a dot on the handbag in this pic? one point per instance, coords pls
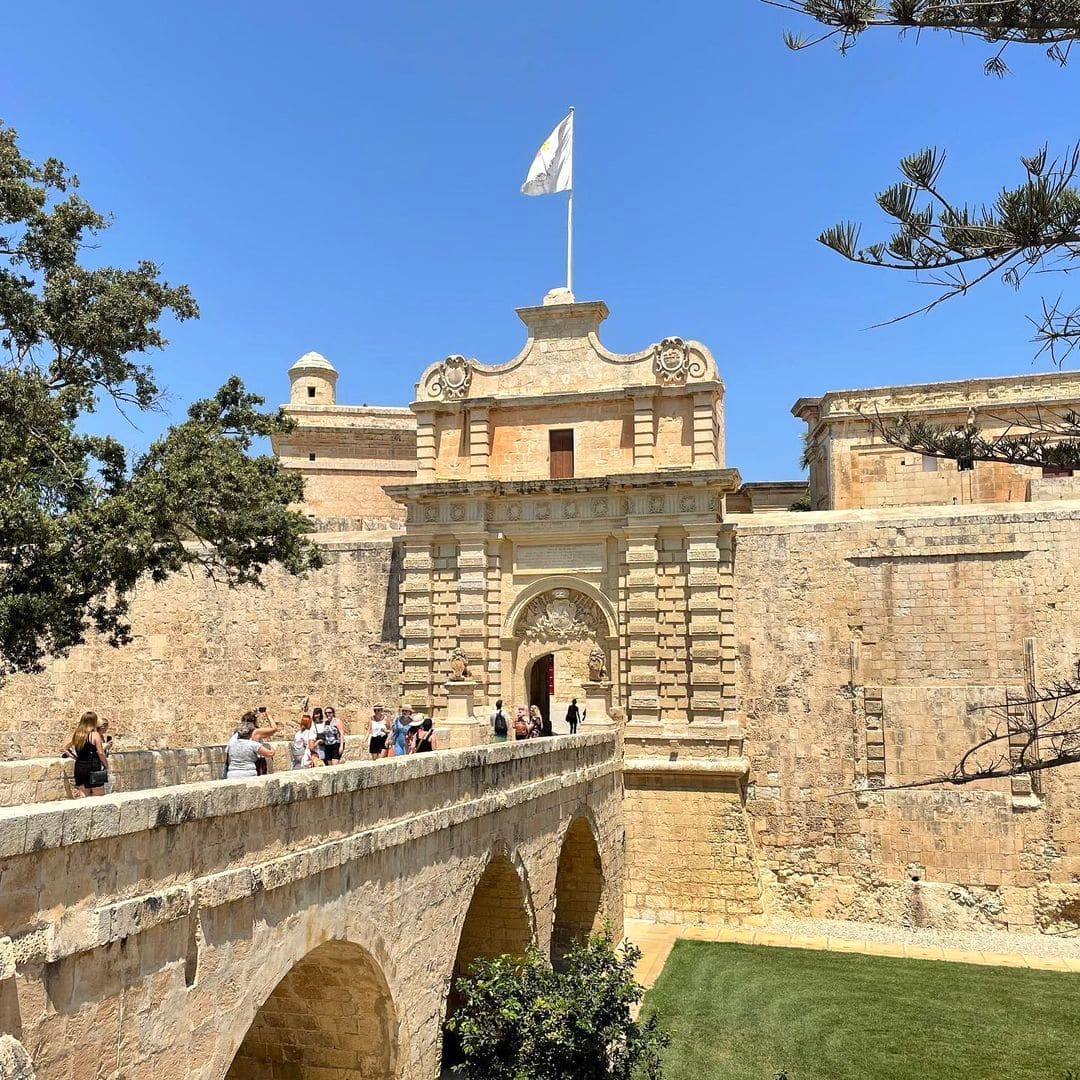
(99, 778)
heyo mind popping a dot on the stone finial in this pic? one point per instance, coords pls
(313, 381)
(561, 295)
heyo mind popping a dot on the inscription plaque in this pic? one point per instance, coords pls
(559, 557)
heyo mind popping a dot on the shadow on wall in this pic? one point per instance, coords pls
(391, 623)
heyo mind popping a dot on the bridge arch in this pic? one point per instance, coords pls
(500, 919)
(580, 886)
(329, 1009)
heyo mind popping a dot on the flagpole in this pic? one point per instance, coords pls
(570, 223)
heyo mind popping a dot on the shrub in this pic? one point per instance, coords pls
(520, 1019)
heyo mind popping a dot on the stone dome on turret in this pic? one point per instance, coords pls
(313, 381)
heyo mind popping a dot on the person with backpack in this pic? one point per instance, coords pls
(333, 736)
(521, 724)
(500, 726)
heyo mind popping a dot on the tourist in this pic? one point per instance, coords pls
(262, 727)
(573, 715)
(536, 722)
(243, 753)
(318, 726)
(265, 727)
(500, 726)
(86, 746)
(411, 735)
(521, 724)
(377, 739)
(400, 730)
(333, 737)
(425, 737)
(303, 750)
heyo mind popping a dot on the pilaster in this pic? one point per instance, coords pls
(641, 623)
(425, 446)
(705, 434)
(644, 432)
(479, 442)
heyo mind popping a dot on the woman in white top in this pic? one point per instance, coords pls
(377, 740)
(242, 752)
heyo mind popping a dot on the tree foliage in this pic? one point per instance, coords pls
(1053, 24)
(1034, 225)
(520, 1019)
(82, 519)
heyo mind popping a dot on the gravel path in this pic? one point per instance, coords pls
(988, 941)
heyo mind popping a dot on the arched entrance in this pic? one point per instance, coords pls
(542, 684)
(497, 923)
(331, 1015)
(579, 889)
(551, 631)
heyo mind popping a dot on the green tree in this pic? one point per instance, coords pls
(520, 1019)
(81, 518)
(1053, 24)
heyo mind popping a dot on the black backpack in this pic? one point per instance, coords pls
(500, 723)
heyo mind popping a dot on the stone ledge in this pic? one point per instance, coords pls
(730, 766)
(27, 829)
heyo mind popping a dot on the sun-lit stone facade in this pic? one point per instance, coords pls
(852, 466)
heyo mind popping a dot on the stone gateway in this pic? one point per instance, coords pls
(560, 526)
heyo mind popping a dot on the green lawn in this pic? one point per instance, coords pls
(743, 1012)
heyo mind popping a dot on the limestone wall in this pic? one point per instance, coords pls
(142, 934)
(203, 654)
(862, 638)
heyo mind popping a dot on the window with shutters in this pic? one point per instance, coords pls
(561, 443)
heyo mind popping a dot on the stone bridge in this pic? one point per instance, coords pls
(304, 925)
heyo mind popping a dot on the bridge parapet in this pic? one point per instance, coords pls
(166, 891)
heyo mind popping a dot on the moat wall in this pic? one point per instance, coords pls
(203, 654)
(862, 638)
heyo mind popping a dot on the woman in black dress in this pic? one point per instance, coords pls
(86, 747)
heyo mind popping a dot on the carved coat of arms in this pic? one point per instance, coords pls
(561, 615)
(674, 362)
(452, 379)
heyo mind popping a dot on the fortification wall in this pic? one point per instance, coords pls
(203, 654)
(863, 636)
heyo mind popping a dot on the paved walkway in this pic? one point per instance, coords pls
(655, 941)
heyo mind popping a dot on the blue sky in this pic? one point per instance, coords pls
(345, 177)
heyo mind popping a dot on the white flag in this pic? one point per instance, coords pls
(553, 167)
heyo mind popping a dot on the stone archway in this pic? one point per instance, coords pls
(497, 923)
(579, 889)
(331, 1014)
(567, 622)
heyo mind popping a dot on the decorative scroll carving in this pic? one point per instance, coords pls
(561, 615)
(459, 665)
(675, 363)
(451, 379)
(597, 665)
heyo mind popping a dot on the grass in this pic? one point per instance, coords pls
(744, 1012)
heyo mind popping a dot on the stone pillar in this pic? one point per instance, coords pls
(644, 432)
(708, 660)
(598, 703)
(705, 435)
(479, 442)
(462, 726)
(416, 626)
(493, 616)
(641, 624)
(472, 603)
